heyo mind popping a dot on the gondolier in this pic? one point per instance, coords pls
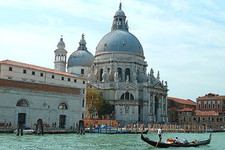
(160, 133)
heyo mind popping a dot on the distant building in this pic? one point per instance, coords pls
(176, 105)
(210, 112)
(29, 93)
(211, 102)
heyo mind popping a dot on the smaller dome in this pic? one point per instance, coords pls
(120, 13)
(80, 58)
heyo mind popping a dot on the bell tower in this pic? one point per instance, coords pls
(60, 56)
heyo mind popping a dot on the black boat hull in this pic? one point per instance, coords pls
(165, 145)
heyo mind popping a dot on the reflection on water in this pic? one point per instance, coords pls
(101, 141)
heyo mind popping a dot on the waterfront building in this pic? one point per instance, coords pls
(211, 102)
(209, 112)
(176, 105)
(29, 93)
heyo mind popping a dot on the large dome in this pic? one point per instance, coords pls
(119, 41)
(80, 58)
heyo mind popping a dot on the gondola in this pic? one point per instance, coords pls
(165, 145)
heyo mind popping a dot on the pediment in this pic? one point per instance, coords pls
(159, 86)
(127, 86)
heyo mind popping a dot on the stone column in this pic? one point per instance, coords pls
(153, 102)
(162, 102)
(123, 75)
(166, 108)
(149, 102)
(149, 106)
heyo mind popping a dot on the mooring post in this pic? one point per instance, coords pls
(110, 127)
(91, 128)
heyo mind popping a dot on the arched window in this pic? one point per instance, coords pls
(119, 70)
(127, 96)
(127, 74)
(101, 72)
(62, 106)
(22, 103)
(131, 97)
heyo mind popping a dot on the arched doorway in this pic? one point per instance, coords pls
(62, 118)
(22, 116)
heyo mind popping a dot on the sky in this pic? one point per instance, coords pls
(182, 39)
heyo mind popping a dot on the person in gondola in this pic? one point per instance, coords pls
(185, 141)
(160, 133)
(160, 136)
(176, 141)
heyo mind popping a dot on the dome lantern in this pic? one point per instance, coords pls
(119, 21)
(82, 43)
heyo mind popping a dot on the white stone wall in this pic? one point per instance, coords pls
(17, 74)
(77, 70)
(41, 105)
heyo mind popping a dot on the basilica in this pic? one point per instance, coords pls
(119, 71)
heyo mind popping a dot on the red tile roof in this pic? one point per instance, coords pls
(206, 113)
(212, 95)
(38, 86)
(182, 101)
(14, 63)
(186, 109)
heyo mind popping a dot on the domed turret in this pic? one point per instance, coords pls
(61, 44)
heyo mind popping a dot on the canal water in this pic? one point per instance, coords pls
(102, 141)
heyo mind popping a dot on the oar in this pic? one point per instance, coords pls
(158, 141)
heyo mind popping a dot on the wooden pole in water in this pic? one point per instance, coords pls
(110, 127)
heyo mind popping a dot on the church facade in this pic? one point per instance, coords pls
(119, 71)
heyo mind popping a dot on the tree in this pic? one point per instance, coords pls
(95, 104)
(93, 101)
(105, 109)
